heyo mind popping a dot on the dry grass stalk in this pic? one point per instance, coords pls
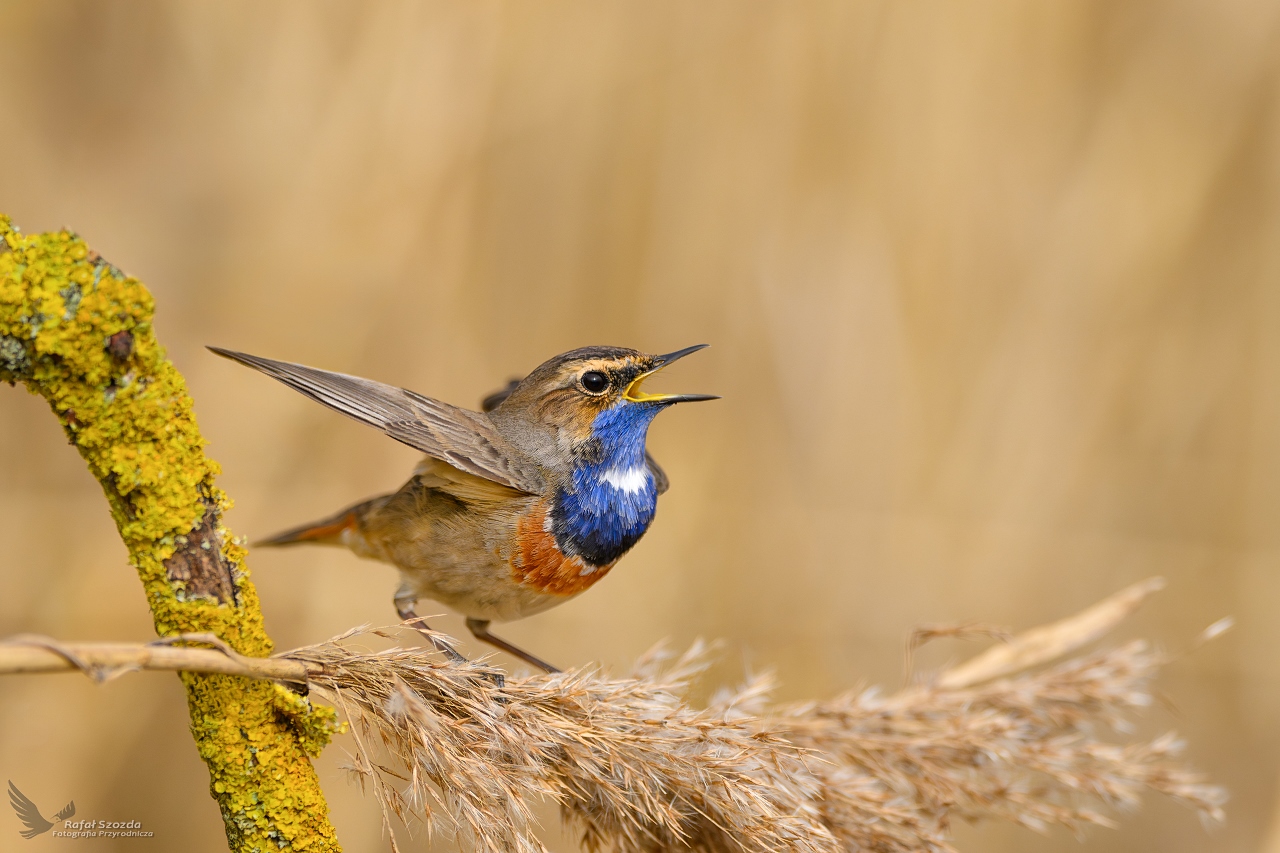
(963, 631)
(1048, 642)
(628, 759)
(638, 769)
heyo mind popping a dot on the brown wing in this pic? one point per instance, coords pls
(467, 488)
(495, 399)
(466, 440)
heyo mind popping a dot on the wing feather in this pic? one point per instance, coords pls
(468, 488)
(465, 439)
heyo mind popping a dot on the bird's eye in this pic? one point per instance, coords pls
(594, 382)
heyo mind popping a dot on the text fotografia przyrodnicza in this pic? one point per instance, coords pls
(102, 829)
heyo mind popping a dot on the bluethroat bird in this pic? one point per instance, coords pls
(514, 509)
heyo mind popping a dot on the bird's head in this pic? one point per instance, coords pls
(588, 402)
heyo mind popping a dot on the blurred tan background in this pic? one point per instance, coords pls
(993, 289)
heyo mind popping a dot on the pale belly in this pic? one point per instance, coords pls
(462, 556)
(477, 584)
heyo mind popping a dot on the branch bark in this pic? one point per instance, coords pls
(78, 331)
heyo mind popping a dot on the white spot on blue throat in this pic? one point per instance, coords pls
(630, 480)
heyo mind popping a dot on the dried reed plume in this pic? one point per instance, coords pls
(636, 768)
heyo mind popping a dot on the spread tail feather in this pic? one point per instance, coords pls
(328, 531)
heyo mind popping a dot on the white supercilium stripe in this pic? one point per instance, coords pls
(629, 480)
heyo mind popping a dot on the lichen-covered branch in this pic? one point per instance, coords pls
(78, 331)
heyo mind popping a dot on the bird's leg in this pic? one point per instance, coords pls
(480, 630)
(404, 606)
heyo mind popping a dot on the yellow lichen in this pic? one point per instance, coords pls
(77, 331)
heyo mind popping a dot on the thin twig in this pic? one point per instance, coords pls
(104, 661)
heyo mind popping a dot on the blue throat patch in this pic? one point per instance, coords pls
(613, 495)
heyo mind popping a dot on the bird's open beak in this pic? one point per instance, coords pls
(635, 395)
